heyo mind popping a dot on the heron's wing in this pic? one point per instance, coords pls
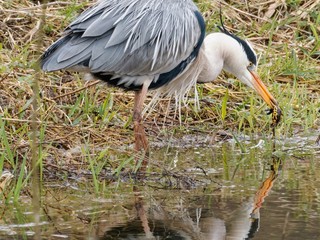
(128, 37)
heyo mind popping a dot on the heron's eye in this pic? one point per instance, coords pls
(251, 66)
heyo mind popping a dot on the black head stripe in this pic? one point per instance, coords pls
(250, 54)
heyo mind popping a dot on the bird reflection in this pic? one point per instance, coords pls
(248, 223)
(154, 222)
(244, 222)
(261, 194)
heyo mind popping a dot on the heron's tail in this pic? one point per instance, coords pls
(46, 60)
(69, 52)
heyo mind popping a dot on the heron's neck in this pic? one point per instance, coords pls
(216, 50)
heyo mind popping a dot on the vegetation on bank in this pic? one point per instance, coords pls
(86, 127)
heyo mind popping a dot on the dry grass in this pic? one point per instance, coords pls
(80, 120)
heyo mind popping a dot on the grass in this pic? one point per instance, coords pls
(87, 126)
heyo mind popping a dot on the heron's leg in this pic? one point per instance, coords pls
(141, 141)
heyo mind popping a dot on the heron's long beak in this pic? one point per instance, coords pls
(262, 90)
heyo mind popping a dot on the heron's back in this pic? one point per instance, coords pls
(125, 42)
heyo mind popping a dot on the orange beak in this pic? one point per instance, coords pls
(262, 90)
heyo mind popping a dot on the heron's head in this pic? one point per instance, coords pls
(241, 60)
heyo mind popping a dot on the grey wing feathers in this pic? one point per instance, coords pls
(127, 37)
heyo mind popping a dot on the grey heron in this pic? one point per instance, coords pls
(142, 45)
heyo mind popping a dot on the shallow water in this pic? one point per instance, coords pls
(209, 193)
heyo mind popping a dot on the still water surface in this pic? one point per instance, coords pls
(229, 195)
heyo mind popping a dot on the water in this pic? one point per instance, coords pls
(209, 193)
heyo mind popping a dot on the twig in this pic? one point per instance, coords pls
(76, 91)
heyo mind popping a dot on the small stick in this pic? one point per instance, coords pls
(76, 91)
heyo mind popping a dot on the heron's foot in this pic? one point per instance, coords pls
(141, 145)
(141, 141)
